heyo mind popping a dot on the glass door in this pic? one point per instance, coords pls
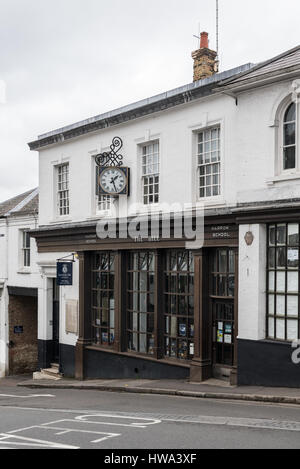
(222, 307)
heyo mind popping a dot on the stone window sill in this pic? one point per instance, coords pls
(283, 178)
(24, 271)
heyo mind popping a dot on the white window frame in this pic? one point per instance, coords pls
(282, 140)
(63, 193)
(211, 197)
(150, 171)
(26, 249)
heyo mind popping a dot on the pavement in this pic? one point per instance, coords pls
(212, 389)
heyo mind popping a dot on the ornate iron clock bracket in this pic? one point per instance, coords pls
(111, 158)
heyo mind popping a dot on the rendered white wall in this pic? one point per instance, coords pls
(248, 154)
(252, 283)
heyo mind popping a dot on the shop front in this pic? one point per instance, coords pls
(153, 309)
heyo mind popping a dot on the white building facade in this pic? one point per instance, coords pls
(152, 307)
(20, 281)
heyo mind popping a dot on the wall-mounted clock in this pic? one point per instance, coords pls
(114, 180)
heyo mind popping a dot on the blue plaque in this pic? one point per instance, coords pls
(64, 274)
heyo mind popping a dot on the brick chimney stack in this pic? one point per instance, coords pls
(205, 60)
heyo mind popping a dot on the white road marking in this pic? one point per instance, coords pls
(27, 397)
(146, 421)
(24, 441)
(86, 424)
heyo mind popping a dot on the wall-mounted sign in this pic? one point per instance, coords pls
(18, 330)
(64, 274)
(221, 232)
(249, 238)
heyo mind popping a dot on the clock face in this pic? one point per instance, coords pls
(113, 180)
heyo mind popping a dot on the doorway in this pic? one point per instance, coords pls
(56, 308)
(222, 310)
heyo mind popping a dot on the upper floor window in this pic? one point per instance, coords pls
(63, 189)
(289, 138)
(209, 162)
(150, 171)
(26, 248)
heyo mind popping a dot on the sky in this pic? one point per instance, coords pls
(62, 61)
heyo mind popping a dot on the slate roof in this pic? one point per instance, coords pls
(282, 62)
(158, 103)
(22, 204)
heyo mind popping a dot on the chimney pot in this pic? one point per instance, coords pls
(204, 41)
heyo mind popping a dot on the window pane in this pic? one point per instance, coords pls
(292, 305)
(271, 328)
(280, 305)
(290, 134)
(281, 258)
(280, 329)
(292, 330)
(280, 287)
(271, 258)
(290, 114)
(292, 282)
(271, 281)
(271, 304)
(272, 235)
(281, 235)
(289, 159)
(222, 261)
(293, 258)
(293, 234)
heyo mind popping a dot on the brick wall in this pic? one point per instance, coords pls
(23, 354)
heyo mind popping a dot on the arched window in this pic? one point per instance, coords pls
(289, 138)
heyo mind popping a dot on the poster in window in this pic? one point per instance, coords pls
(192, 349)
(182, 330)
(104, 337)
(183, 350)
(220, 336)
(151, 345)
(220, 326)
(293, 255)
(227, 339)
(228, 329)
(192, 330)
